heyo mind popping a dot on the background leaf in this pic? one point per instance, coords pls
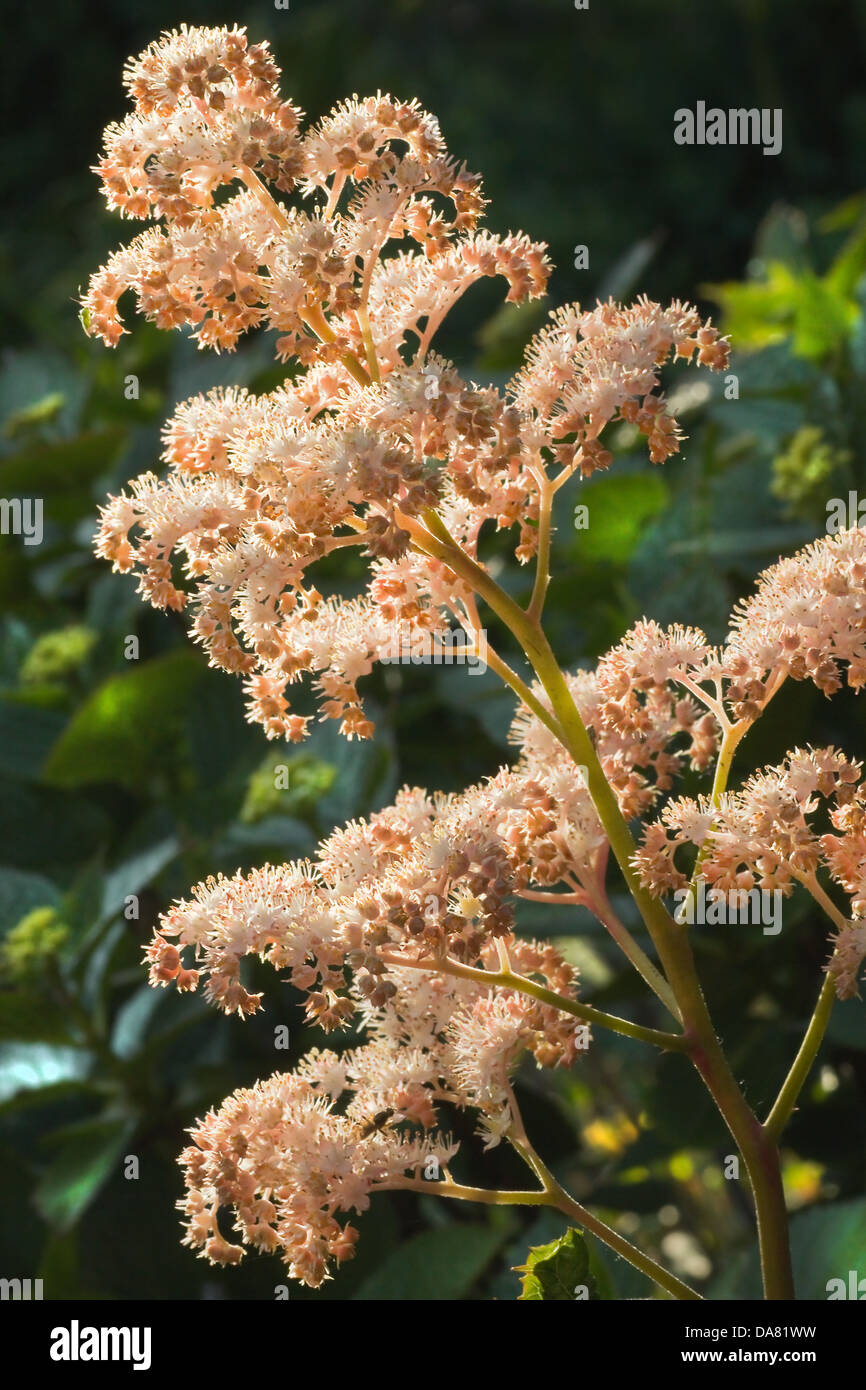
(438, 1265)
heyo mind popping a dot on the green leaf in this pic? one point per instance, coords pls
(365, 771)
(30, 382)
(624, 276)
(847, 1026)
(823, 317)
(33, 1068)
(60, 468)
(827, 1242)
(479, 691)
(440, 1264)
(292, 838)
(126, 724)
(783, 237)
(135, 873)
(27, 734)
(88, 1155)
(134, 1019)
(60, 1266)
(286, 785)
(618, 509)
(24, 1017)
(504, 336)
(850, 264)
(758, 313)
(34, 818)
(558, 1272)
(20, 893)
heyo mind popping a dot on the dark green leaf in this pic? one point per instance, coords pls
(441, 1264)
(87, 1156)
(619, 508)
(35, 1067)
(126, 724)
(20, 892)
(27, 733)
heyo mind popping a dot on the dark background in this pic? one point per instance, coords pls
(142, 778)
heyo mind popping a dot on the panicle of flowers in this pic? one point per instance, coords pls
(849, 953)
(590, 367)
(643, 710)
(293, 1153)
(806, 620)
(845, 857)
(206, 102)
(207, 113)
(489, 1032)
(759, 835)
(645, 726)
(764, 836)
(427, 880)
(377, 428)
(288, 1165)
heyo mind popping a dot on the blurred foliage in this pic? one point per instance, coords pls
(805, 471)
(129, 772)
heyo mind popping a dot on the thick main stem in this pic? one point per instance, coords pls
(759, 1151)
(758, 1148)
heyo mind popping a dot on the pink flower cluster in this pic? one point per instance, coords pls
(291, 1154)
(377, 428)
(433, 878)
(764, 836)
(287, 1163)
(806, 620)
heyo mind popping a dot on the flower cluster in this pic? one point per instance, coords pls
(433, 878)
(294, 1152)
(377, 428)
(591, 367)
(288, 1164)
(764, 836)
(207, 113)
(429, 880)
(806, 618)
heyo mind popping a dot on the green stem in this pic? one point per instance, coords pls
(728, 747)
(508, 979)
(804, 1060)
(542, 564)
(760, 1153)
(521, 984)
(490, 1197)
(565, 1203)
(559, 1199)
(802, 1064)
(522, 691)
(620, 933)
